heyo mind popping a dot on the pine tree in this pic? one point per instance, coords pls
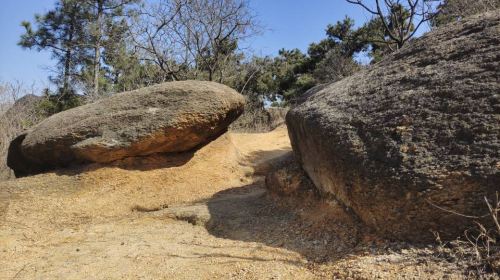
(60, 31)
(106, 26)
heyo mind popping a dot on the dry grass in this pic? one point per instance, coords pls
(485, 240)
(480, 247)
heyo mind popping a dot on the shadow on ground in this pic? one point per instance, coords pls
(323, 234)
(318, 232)
(146, 163)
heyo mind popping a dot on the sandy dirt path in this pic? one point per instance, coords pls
(205, 215)
(100, 222)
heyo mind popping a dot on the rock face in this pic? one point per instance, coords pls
(25, 103)
(287, 178)
(165, 118)
(418, 130)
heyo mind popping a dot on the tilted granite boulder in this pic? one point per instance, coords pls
(166, 118)
(414, 138)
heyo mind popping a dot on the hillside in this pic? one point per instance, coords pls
(204, 216)
(241, 139)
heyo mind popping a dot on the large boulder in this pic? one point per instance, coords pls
(166, 118)
(414, 139)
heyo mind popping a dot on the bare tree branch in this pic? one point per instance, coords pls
(197, 34)
(400, 19)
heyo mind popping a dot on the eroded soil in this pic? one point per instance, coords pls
(205, 215)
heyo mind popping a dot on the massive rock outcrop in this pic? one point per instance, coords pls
(165, 118)
(414, 138)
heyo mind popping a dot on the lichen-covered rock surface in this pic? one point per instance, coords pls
(413, 138)
(166, 118)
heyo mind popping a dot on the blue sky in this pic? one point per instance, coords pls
(288, 24)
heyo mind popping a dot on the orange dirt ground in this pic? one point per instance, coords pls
(205, 215)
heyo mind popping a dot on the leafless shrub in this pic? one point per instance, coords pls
(485, 241)
(400, 19)
(259, 119)
(18, 112)
(192, 39)
(480, 248)
(463, 8)
(9, 93)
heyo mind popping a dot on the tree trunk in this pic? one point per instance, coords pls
(210, 74)
(67, 65)
(67, 61)
(97, 50)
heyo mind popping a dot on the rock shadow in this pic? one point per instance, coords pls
(264, 161)
(137, 163)
(321, 231)
(140, 163)
(250, 214)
